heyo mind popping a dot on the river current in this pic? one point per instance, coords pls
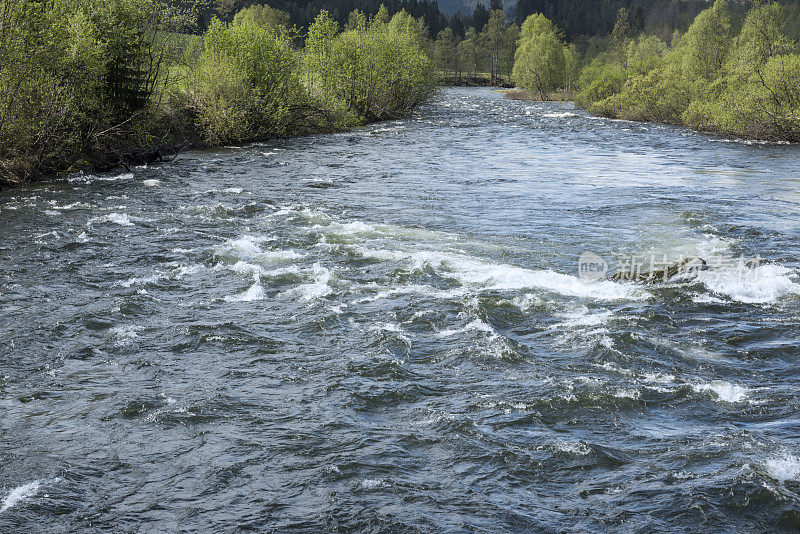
(386, 330)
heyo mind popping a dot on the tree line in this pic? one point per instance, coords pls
(725, 73)
(103, 83)
(490, 51)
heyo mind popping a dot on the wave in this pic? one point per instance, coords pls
(564, 115)
(783, 468)
(766, 284)
(481, 275)
(724, 391)
(19, 494)
(126, 334)
(122, 219)
(319, 287)
(249, 248)
(475, 326)
(253, 293)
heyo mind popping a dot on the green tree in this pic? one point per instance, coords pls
(470, 51)
(539, 61)
(244, 82)
(571, 61)
(508, 49)
(620, 37)
(493, 38)
(445, 51)
(263, 15)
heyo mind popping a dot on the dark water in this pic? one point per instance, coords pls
(384, 330)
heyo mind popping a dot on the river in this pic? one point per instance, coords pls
(386, 330)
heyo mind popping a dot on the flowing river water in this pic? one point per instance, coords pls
(385, 330)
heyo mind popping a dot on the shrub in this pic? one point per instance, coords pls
(244, 82)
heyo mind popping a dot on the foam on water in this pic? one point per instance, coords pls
(584, 317)
(125, 334)
(19, 494)
(249, 248)
(564, 115)
(766, 284)
(246, 244)
(140, 280)
(723, 391)
(483, 275)
(68, 207)
(393, 328)
(783, 468)
(350, 228)
(122, 219)
(370, 484)
(319, 287)
(626, 393)
(578, 448)
(253, 293)
(475, 326)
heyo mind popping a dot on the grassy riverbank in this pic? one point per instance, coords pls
(474, 80)
(90, 84)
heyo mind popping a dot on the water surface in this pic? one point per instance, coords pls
(384, 330)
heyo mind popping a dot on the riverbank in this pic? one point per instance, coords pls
(65, 108)
(729, 79)
(474, 81)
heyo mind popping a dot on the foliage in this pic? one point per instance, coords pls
(107, 82)
(77, 75)
(244, 81)
(377, 69)
(539, 65)
(710, 78)
(263, 16)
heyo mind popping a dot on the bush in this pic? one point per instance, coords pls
(747, 85)
(105, 82)
(377, 69)
(600, 80)
(244, 82)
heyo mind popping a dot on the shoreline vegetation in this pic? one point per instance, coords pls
(729, 74)
(100, 84)
(734, 70)
(95, 84)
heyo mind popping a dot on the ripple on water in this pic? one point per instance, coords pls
(406, 345)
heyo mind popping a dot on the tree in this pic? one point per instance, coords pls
(480, 16)
(620, 37)
(264, 16)
(446, 51)
(493, 38)
(508, 49)
(470, 51)
(539, 61)
(706, 43)
(571, 60)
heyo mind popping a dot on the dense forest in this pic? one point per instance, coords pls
(579, 20)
